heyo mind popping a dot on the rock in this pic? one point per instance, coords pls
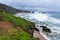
(31, 28)
(43, 12)
(36, 29)
(43, 26)
(45, 29)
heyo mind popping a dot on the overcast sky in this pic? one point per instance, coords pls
(34, 4)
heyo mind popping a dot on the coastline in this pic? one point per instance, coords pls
(40, 35)
(43, 37)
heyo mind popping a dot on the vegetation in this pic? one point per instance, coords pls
(10, 9)
(14, 33)
(15, 20)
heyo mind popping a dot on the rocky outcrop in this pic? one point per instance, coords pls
(31, 28)
(45, 29)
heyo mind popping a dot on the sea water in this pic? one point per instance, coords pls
(48, 19)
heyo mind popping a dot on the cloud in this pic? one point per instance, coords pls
(45, 4)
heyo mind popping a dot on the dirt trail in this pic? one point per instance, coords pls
(5, 25)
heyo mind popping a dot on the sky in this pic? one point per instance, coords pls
(53, 5)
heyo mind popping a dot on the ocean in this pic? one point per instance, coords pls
(49, 19)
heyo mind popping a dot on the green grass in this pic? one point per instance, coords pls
(15, 20)
(14, 33)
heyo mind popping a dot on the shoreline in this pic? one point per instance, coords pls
(43, 37)
(40, 35)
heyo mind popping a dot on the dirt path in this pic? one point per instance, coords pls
(5, 25)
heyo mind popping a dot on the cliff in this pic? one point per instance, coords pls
(10, 9)
(15, 28)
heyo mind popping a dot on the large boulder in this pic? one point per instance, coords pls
(45, 29)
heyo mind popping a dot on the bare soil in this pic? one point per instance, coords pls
(5, 25)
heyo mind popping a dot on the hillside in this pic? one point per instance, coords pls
(15, 28)
(10, 9)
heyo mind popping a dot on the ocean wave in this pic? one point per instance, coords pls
(40, 18)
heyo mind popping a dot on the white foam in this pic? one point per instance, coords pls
(54, 20)
(40, 16)
(45, 36)
(44, 17)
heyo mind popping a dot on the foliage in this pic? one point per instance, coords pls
(15, 20)
(15, 34)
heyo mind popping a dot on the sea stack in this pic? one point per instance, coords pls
(45, 29)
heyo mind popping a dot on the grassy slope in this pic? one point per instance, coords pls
(15, 20)
(14, 33)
